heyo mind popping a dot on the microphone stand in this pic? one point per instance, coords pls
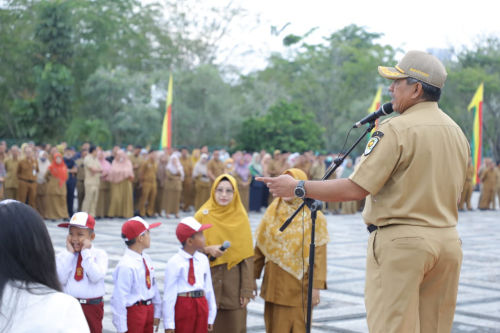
(315, 206)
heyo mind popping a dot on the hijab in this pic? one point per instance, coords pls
(59, 170)
(105, 165)
(200, 168)
(229, 223)
(174, 165)
(290, 249)
(43, 166)
(242, 169)
(121, 168)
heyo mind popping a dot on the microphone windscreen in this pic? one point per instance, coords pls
(387, 108)
(226, 244)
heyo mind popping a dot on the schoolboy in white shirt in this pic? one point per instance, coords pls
(189, 300)
(136, 301)
(81, 268)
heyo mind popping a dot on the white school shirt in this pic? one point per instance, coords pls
(95, 267)
(176, 276)
(40, 310)
(130, 286)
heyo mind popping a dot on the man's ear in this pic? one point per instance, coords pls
(418, 91)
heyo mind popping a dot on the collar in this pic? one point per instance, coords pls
(187, 256)
(133, 254)
(421, 106)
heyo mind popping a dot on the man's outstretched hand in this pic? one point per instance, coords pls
(282, 186)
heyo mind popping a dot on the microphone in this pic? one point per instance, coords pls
(223, 248)
(384, 110)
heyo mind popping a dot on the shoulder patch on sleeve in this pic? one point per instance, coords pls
(377, 133)
(371, 144)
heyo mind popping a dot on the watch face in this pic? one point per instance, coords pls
(299, 192)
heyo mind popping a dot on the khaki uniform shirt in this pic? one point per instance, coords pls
(11, 173)
(280, 287)
(230, 285)
(92, 178)
(147, 172)
(497, 170)
(136, 163)
(187, 165)
(80, 170)
(414, 168)
(215, 167)
(27, 169)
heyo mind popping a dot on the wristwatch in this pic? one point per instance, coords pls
(300, 191)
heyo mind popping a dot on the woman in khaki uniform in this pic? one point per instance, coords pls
(243, 177)
(41, 187)
(284, 256)
(104, 187)
(121, 176)
(488, 179)
(161, 178)
(173, 185)
(187, 183)
(11, 182)
(201, 182)
(232, 270)
(54, 203)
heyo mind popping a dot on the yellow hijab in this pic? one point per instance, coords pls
(229, 223)
(290, 249)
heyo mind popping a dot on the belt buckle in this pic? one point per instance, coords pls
(82, 301)
(148, 302)
(198, 293)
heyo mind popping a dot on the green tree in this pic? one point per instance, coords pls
(480, 63)
(336, 80)
(286, 126)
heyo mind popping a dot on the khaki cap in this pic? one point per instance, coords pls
(418, 65)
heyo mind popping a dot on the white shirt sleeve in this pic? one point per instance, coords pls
(94, 266)
(170, 294)
(123, 278)
(157, 300)
(64, 263)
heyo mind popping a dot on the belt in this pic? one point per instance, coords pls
(192, 294)
(26, 180)
(372, 227)
(141, 302)
(97, 300)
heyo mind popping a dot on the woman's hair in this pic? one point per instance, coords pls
(26, 251)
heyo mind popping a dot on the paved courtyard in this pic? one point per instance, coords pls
(342, 308)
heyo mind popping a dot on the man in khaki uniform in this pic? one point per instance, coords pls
(488, 179)
(468, 188)
(215, 167)
(80, 178)
(27, 170)
(414, 251)
(92, 180)
(187, 183)
(147, 180)
(136, 160)
(11, 182)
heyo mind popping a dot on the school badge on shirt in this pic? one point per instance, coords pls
(376, 136)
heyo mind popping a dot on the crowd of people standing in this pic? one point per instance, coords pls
(58, 180)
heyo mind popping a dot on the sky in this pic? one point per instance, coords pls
(420, 25)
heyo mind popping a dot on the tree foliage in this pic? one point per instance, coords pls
(98, 71)
(286, 126)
